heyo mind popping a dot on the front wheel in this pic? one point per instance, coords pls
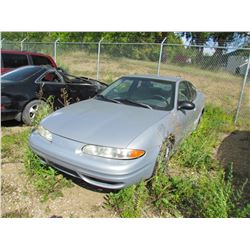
(164, 155)
(30, 111)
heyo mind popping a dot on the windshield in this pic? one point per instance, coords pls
(20, 74)
(144, 92)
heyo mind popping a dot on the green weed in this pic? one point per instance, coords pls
(44, 110)
(13, 145)
(204, 191)
(129, 202)
(196, 151)
(46, 180)
(207, 195)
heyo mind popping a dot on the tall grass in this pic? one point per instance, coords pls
(196, 151)
(202, 191)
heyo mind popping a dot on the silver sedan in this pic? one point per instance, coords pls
(113, 139)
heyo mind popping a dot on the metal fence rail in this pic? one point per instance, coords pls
(222, 73)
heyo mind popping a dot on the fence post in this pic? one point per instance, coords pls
(98, 59)
(2, 42)
(242, 89)
(55, 43)
(159, 63)
(22, 43)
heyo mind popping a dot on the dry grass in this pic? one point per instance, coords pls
(221, 88)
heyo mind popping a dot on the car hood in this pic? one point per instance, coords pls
(102, 123)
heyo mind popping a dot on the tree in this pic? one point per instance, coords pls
(222, 39)
(150, 37)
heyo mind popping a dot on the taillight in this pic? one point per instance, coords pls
(2, 107)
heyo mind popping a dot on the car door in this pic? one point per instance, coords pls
(184, 117)
(81, 90)
(52, 84)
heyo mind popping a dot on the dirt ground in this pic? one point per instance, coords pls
(234, 151)
(19, 199)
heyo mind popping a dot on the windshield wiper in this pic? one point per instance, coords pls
(107, 99)
(135, 103)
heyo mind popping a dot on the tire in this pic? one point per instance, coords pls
(165, 152)
(30, 110)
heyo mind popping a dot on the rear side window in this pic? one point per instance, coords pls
(40, 60)
(14, 60)
(20, 74)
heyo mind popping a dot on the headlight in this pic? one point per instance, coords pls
(44, 133)
(114, 153)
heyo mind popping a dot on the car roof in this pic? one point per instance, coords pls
(23, 53)
(36, 66)
(156, 77)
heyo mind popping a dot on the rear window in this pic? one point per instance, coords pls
(14, 60)
(21, 73)
(40, 60)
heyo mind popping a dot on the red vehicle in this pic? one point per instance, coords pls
(12, 59)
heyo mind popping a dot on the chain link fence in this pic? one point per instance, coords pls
(222, 73)
(78, 58)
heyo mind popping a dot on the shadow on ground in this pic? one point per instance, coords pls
(12, 123)
(235, 151)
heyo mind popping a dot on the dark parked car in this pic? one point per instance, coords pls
(25, 88)
(12, 59)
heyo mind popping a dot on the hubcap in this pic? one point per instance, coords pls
(33, 110)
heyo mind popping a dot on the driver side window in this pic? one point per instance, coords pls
(183, 92)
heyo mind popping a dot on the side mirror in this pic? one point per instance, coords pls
(185, 105)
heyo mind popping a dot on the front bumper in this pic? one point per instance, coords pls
(66, 155)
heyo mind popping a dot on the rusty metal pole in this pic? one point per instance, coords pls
(98, 59)
(160, 56)
(55, 47)
(22, 43)
(242, 89)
